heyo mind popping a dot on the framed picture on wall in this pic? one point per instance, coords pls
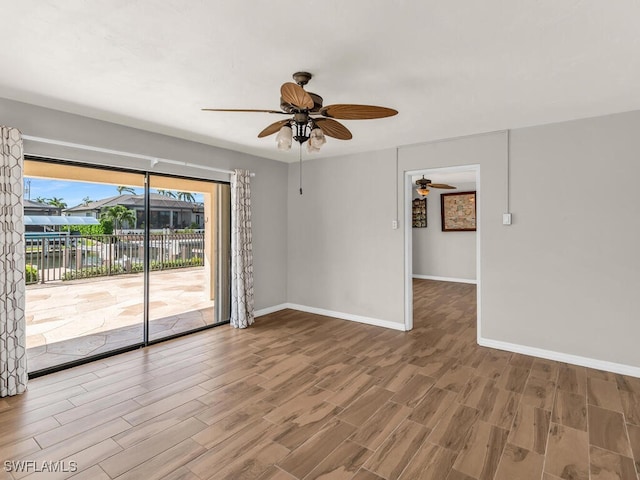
(458, 211)
(419, 213)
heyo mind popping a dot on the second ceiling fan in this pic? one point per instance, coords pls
(423, 185)
(310, 120)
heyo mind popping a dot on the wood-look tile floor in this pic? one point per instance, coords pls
(300, 396)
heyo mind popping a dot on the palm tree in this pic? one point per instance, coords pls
(186, 196)
(166, 193)
(57, 202)
(122, 188)
(40, 200)
(119, 214)
(86, 201)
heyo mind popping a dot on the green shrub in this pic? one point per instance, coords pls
(136, 267)
(178, 263)
(169, 264)
(105, 228)
(92, 272)
(31, 274)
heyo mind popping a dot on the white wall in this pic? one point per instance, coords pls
(443, 254)
(570, 263)
(342, 249)
(269, 186)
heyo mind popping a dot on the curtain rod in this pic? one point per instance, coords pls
(153, 160)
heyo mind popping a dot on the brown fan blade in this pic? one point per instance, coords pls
(296, 96)
(273, 128)
(345, 111)
(440, 185)
(333, 129)
(241, 110)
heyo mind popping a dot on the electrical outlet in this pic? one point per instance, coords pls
(394, 224)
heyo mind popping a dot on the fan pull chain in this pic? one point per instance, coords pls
(300, 168)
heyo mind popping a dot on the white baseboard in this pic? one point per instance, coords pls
(445, 279)
(562, 357)
(268, 310)
(348, 316)
(330, 313)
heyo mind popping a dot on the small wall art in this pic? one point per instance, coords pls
(458, 211)
(419, 213)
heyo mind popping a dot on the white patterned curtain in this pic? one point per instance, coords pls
(241, 251)
(13, 355)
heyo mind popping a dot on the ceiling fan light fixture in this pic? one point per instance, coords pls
(301, 105)
(423, 191)
(284, 139)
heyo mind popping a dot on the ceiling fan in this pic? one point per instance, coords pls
(310, 120)
(424, 184)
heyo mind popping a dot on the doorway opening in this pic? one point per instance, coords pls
(466, 177)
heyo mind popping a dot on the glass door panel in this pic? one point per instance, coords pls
(84, 262)
(185, 228)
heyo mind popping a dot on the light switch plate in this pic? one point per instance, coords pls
(506, 219)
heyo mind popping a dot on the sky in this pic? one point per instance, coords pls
(73, 193)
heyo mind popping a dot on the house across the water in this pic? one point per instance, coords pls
(166, 212)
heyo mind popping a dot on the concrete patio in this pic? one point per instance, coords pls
(72, 320)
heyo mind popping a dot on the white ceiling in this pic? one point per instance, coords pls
(451, 68)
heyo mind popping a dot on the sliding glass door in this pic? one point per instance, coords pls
(187, 226)
(84, 263)
(118, 259)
